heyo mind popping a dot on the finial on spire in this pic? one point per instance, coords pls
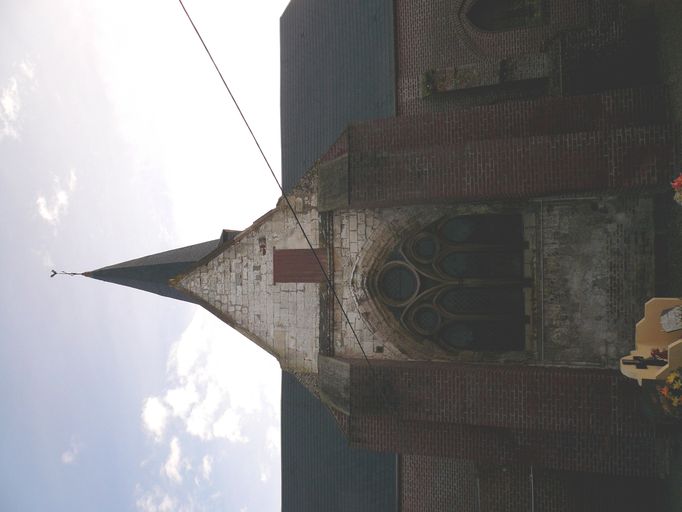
(54, 273)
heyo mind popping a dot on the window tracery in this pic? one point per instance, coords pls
(458, 283)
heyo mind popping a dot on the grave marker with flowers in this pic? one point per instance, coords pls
(670, 395)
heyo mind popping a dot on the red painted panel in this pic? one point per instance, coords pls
(299, 266)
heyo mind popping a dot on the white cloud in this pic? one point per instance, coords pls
(68, 457)
(273, 440)
(156, 501)
(265, 473)
(71, 454)
(10, 104)
(181, 399)
(53, 208)
(228, 426)
(28, 69)
(208, 368)
(201, 418)
(174, 464)
(10, 99)
(213, 394)
(72, 180)
(206, 467)
(154, 417)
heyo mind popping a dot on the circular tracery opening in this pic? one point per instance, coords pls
(424, 247)
(398, 283)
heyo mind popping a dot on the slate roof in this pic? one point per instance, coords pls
(337, 67)
(319, 470)
(152, 273)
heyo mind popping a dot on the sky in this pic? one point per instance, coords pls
(117, 140)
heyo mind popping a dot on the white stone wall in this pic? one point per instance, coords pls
(281, 318)
(597, 270)
(361, 237)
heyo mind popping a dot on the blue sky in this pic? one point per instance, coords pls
(117, 140)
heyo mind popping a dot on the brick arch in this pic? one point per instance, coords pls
(507, 43)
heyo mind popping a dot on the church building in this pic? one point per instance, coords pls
(476, 211)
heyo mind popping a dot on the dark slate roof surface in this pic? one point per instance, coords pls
(320, 472)
(152, 273)
(337, 67)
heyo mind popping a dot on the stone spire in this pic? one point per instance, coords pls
(153, 273)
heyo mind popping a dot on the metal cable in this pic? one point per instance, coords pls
(330, 284)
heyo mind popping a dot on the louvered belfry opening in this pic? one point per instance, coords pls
(459, 283)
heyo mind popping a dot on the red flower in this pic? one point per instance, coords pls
(677, 183)
(659, 354)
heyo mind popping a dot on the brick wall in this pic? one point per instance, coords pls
(437, 34)
(439, 484)
(557, 418)
(590, 46)
(610, 141)
(566, 451)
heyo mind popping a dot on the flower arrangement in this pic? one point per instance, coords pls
(677, 187)
(657, 353)
(670, 395)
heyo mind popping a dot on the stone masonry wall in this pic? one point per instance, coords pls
(237, 284)
(597, 273)
(597, 269)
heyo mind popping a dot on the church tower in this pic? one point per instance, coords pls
(492, 212)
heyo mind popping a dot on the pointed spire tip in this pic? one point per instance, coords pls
(61, 272)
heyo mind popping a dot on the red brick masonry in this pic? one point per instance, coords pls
(616, 140)
(557, 418)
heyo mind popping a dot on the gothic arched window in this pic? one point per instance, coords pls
(459, 283)
(497, 15)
